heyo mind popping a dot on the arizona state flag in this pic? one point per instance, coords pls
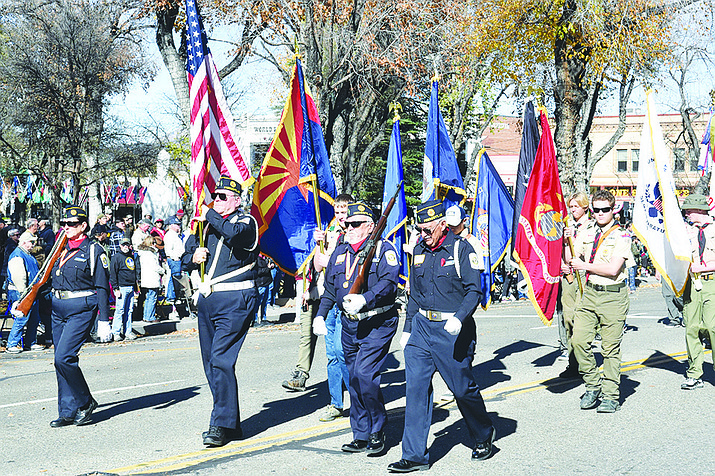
(539, 237)
(284, 196)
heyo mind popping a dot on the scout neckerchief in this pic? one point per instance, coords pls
(597, 242)
(701, 242)
(350, 269)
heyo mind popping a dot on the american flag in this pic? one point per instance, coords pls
(214, 148)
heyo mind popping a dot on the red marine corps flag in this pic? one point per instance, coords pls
(539, 237)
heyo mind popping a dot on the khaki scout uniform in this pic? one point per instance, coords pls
(604, 305)
(699, 310)
(571, 296)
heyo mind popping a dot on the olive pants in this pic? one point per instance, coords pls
(604, 312)
(698, 314)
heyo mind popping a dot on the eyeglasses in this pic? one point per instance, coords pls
(70, 224)
(221, 196)
(602, 210)
(354, 224)
(426, 230)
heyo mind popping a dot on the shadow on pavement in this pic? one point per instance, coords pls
(659, 360)
(628, 387)
(491, 372)
(457, 433)
(158, 400)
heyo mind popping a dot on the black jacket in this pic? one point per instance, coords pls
(124, 270)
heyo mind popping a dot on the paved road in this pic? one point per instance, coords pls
(154, 404)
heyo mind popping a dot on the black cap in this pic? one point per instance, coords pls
(73, 211)
(227, 183)
(430, 211)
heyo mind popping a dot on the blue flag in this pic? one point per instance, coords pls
(529, 143)
(396, 228)
(284, 198)
(441, 177)
(492, 218)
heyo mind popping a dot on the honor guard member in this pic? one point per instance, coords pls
(699, 296)
(440, 334)
(227, 301)
(603, 252)
(369, 323)
(80, 289)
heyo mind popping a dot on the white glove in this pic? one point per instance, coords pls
(15, 313)
(453, 325)
(319, 328)
(104, 332)
(403, 339)
(117, 293)
(352, 303)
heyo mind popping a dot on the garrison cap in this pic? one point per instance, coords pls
(695, 201)
(227, 183)
(360, 209)
(429, 211)
(72, 212)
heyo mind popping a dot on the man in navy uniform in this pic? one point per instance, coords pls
(227, 301)
(80, 289)
(440, 334)
(369, 323)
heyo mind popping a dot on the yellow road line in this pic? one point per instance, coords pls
(186, 460)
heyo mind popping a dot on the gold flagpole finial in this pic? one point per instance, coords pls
(436, 76)
(395, 107)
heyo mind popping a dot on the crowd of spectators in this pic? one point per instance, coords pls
(149, 254)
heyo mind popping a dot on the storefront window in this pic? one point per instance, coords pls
(622, 160)
(680, 158)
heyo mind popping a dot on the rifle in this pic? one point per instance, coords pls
(24, 304)
(367, 254)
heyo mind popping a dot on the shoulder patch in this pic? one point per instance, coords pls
(104, 260)
(391, 257)
(474, 261)
(419, 259)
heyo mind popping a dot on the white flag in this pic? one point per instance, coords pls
(656, 216)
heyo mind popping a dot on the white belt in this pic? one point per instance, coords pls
(372, 312)
(233, 286)
(436, 315)
(71, 294)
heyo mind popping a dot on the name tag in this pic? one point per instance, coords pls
(419, 259)
(449, 262)
(340, 259)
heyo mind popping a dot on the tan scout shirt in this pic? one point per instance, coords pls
(709, 231)
(616, 244)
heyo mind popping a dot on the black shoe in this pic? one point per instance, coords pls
(589, 399)
(355, 446)
(484, 449)
(62, 421)
(406, 466)
(232, 434)
(570, 372)
(84, 416)
(216, 436)
(376, 443)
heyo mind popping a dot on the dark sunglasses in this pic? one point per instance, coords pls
(425, 230)
(70, 223)
(221, 196)
(602, 210)
(354, 224)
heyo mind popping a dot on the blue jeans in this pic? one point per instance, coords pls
(337, 370)
(632, 278)
(150, 305)
(175, 269)
(123, 312)
(264, 293)
(31, 320)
